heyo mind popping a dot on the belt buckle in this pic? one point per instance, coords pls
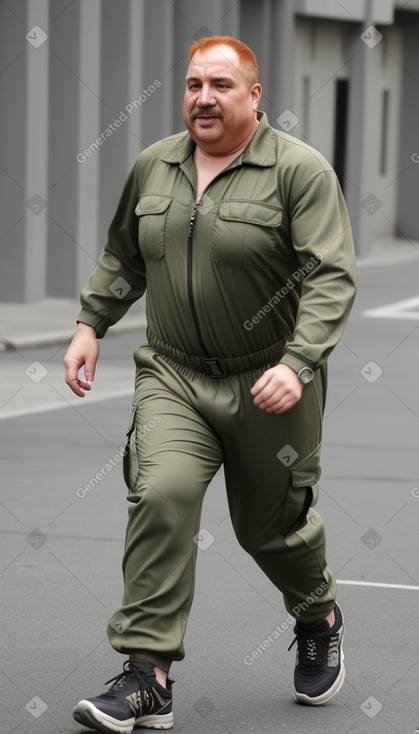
(212, 366)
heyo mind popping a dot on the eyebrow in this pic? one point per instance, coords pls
(213, 79)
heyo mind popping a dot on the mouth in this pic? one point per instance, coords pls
(207, 119)
(206, 116)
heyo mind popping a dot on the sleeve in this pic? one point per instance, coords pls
(322, 241)
(119, 278)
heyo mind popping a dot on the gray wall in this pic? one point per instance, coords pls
(99, 55)
(12, 150)
(63, 140)
(408, 189)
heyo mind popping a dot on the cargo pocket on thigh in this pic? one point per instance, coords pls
(303, 493)
(131, 468)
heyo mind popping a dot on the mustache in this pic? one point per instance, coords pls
(205, 112)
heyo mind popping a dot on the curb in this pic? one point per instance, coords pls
(57, 338)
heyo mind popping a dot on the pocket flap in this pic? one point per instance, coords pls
(252, 212)
(307, 473)
(153, 204)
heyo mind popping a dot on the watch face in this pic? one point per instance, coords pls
(305, 375)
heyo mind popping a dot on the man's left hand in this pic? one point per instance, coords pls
(277, 390)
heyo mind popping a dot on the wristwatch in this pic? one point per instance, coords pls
(305, 375)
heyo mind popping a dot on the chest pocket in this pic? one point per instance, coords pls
(152, 211)
(245, 234)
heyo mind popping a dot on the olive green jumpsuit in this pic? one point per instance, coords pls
(260, 271)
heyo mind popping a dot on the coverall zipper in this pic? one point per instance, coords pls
(190, 284)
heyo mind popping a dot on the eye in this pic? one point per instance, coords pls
(193, 87)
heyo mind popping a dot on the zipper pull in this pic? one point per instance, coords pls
(192, 221)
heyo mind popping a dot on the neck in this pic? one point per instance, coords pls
(209, 152)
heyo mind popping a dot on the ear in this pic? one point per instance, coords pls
(256, 92)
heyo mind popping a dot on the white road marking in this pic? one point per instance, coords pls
(59, 404)
(37, 387)
(407, 309)
(378, 584)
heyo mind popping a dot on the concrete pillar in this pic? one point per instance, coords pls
(36, 179)
(362, 131)
(229, 22)
(135, 77)
(255, 30)
(64, 85)
(88, 130)
(407, 221)
(165, 95)
(282, 82)
(161, 65)
(114, 110)
(13, 95)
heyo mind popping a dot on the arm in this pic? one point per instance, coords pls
(319, 224)
(118, 280)
(320, 228)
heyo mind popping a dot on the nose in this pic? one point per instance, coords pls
(206, 97)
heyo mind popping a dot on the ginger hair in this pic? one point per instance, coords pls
(245, 54)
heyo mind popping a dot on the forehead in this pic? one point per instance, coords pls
(213, 62)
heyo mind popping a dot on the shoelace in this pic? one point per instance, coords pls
(128, 672)
(312, 650)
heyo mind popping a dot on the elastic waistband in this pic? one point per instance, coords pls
(218, 366)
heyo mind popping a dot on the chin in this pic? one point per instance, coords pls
(206, 135)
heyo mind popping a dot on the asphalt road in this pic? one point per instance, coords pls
(60, 577)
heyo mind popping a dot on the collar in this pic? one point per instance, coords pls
(261, 151)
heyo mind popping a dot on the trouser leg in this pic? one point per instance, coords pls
(173, 457)
(272, 466)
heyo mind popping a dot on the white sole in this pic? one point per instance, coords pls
(87, 714)
(164, 721)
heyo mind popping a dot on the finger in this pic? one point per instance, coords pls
(283, 408)
(261, 383)
(72, 379)
(275, 397)
(72, 374)
(270, 405)
(278, 410)
(84, 385)
(89, 369)
(281, 405)
(78, 387)
(266, 395)
(71, 370)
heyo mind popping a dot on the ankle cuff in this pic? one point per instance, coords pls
(147, 657)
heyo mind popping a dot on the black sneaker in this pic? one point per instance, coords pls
(319, 670)
(135, 698)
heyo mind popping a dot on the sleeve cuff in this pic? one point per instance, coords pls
(91, 318)
(296, 362)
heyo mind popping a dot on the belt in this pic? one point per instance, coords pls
(219, 366)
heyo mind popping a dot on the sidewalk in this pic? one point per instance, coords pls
(53, 320)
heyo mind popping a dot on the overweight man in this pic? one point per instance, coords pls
(240, 237)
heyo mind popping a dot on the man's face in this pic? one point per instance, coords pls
(220, 103)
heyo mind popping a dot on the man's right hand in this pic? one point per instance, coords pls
(83, 351)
